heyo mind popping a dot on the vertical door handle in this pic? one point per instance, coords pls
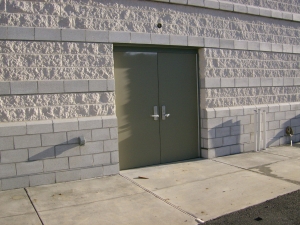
(155, 113)
(163, 112)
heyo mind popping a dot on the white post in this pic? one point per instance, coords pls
(255, 129)
(265, 130)
(259, 131)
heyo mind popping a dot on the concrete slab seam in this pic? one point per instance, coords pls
(160, 198)
(33, 206)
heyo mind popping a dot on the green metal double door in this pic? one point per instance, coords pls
(156, 105)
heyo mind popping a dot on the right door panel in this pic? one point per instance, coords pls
(178, 93)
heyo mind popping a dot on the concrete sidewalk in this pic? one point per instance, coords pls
(174, 193)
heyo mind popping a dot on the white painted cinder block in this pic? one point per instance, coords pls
(102, 158)
(224, 43)
(56, 164)
(47, 34)
(114, 157)
(12, 156)
(209, 113)
(38, 127)
(23, 87)
(92, 148)
(208, 153)
(227, 6)
(91, 172)
(212, 42)
(212, 4)
(212, 82)
(111, 170)
(222, 112)
(113, 133)
(54, 139)
(227, 82)
(265, 12)
(119, 37)
(4, 87)
(179, 40)
(26, 141)
(179, 1)
(24, 168)
(195, 41)
(20, 33)
(222, 132)
(240, 44)
(76, 85)
(6, 143)
(65, 125)
(253, 10)
(81, 161)
(74, 135)
(86, 123)
(208, 133)
(140, 38)
(100, 134)
(212, 123)
(17, 182)
(7, 170)
(240, 8)
(97, 85)
(236, 111)
(196, 2)
(225, 150)
(41, 153)
(287, 48)
(109, 121)
(72, 35)
(67, 150)
(65, 176)
(42, 179)
(236, 149)
(160, 39)
(96, 36)
(111, 145)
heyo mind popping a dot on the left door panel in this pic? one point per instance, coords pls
(136, 96)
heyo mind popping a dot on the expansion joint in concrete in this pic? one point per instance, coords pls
(160, 198)
(34, 206)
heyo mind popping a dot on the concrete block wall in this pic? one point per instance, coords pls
(239, 77)
(51, 93)
(56, 62)
(230, 130)
(281, 5)
(234, 83)
(185, 18)
(45, 152)
(55, 80)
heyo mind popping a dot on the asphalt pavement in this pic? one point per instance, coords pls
(283, 210)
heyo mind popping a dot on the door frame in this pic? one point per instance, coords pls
(158, 48)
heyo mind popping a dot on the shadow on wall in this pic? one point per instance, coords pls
(236, 134)
(278, 136)
(225, 138)
(62, 150)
